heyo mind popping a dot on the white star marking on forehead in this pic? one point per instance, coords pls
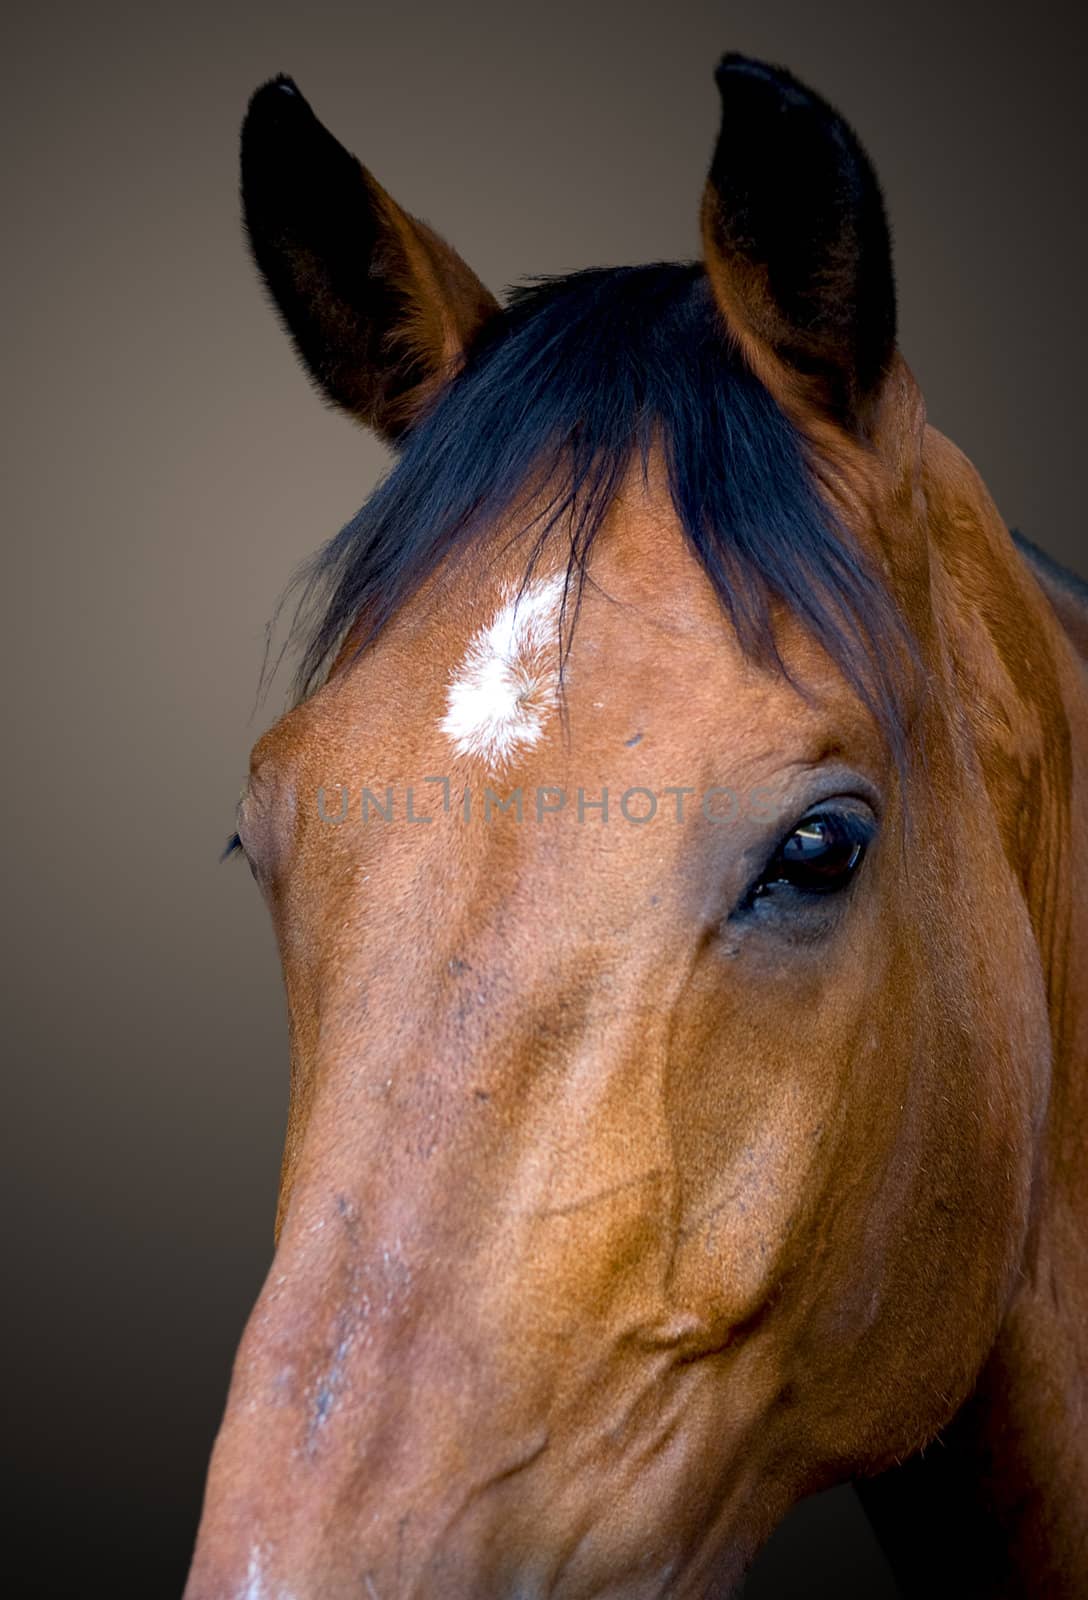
(499, 698)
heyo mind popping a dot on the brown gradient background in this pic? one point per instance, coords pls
(169, 467)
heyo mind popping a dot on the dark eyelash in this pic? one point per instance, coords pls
(860, 831)
(233, 847)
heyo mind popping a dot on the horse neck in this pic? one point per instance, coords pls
(998, 1505)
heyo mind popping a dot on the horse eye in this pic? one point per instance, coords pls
(820, 856)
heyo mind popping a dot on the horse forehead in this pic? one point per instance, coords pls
(470, 668)
(494, 695)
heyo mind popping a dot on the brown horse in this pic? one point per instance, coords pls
(673, 854)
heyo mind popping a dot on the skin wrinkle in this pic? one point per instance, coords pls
(811, 1168)
(676, 1217)
(501, 1475)
(542, 1213)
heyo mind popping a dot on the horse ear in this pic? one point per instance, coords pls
(797, 244)
(381, 310)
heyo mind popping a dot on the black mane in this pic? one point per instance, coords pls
(564, 385)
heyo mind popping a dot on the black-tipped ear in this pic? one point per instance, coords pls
(797, 244)
(380, 308)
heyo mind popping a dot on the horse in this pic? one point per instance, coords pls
(672, 847)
